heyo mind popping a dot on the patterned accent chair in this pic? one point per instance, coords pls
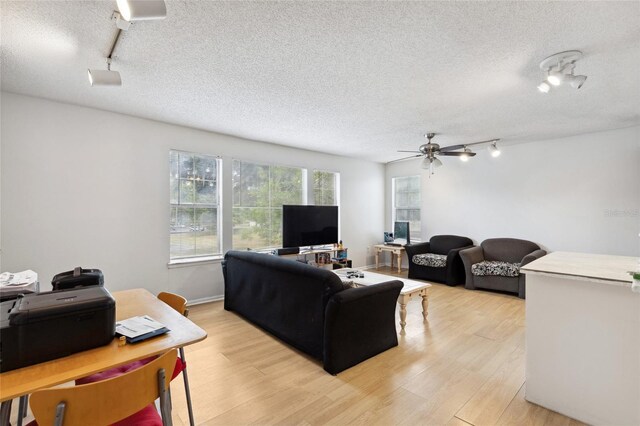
(495, 264)
(438, 260)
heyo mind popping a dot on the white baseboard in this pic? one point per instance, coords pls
(205, 300)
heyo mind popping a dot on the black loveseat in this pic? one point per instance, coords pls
(310, 309)
(439, 259)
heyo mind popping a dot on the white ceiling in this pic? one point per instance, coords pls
(361, 79)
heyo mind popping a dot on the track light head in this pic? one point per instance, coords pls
(493, 149)
(142, 10)
(104, 78)
(544, 87)
(555, 78)
(576, 81)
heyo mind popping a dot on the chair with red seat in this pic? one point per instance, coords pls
(126, 399)
(179, 304)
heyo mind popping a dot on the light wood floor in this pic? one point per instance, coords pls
(464, 366)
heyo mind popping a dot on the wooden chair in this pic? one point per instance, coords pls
(108, 401)
(179, 304)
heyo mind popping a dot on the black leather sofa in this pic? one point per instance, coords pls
(446, 248)
(310, 309)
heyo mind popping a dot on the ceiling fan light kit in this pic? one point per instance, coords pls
(493, 150)
(560, 70)
(430, 150)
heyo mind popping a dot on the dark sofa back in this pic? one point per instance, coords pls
(443, 244)
(507, 249)
(285, 297)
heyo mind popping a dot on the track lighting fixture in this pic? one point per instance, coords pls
(493, 150)
(142, 10)
(559, 69)
(465, 154)
(130, 10)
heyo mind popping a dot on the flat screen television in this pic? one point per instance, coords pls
(401, 233)
(309, 225)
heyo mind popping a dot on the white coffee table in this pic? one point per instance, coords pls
(411, 289)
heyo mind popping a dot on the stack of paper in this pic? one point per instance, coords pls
(141, 328)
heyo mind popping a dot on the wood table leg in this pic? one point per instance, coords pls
(403, 312)
(425, 304)
(399, 255)
(377, 258)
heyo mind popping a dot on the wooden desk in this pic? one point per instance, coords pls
(129, 303)
(397, 251)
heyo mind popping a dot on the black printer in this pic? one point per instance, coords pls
(43, 326)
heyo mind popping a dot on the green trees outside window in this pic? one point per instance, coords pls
(194, 199)
(325, 186)
(259, 191)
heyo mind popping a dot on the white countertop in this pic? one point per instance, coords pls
(592, 267)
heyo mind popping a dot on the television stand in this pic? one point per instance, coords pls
(335, 257)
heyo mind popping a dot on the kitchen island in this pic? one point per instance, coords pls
(583, 337)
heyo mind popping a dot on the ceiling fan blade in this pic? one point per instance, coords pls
(409, 151)
(404, 158)
(457, 153)
(451, 148)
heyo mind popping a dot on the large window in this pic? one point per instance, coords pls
(259, 191)
(325, 188)
(194, 198)
(406, 203)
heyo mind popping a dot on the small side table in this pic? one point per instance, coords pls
(398, 251)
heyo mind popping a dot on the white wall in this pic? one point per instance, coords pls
(580, 193)
(87, 187)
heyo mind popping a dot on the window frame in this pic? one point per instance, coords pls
(336, 188)
(185, 260)
(413, 238)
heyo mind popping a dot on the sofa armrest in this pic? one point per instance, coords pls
(419, 248)
(469, 257)
(532, 256)
(455, 265)
(522, 293)
(359, 323)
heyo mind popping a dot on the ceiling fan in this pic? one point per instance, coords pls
(431, 150)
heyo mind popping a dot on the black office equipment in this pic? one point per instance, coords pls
(45, 326)
(77, 278)
(288, 250)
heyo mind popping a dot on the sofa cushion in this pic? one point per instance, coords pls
(430, 259)
(496, 268)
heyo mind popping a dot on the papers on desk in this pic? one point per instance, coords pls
(137, 329)
(12, 284)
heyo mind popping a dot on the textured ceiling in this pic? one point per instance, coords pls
(361, 79)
